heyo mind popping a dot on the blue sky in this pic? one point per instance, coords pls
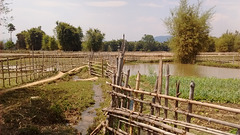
(134, 18)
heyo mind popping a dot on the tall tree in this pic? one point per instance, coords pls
(149, 42)
(34, 38)
(189, 27)
(4, 10)
(94, 39)
(11, 28)
(225, 43)
(70, 38)
(21, 40)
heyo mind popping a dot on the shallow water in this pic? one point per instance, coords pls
(89, 114)
(184, 70)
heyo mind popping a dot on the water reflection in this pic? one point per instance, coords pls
(184, 70)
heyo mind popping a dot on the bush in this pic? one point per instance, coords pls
(9, 45)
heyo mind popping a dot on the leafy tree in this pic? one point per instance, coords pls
(149, 43)
(94, 39)
(189, 27)
(69, 37)
(139, 46)
(53, 44)
(4, 10)
(21, 40)
(45, 42)
(130, 46)
(34, 38)
(237, 41)
(11, 28)
(225, 43)
(9, 45)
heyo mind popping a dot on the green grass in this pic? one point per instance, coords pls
(208, 89)
(61, 102)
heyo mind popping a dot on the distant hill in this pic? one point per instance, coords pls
(162, 38)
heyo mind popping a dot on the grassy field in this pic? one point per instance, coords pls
(206, 89)
(59, 105)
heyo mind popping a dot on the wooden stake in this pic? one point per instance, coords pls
(26, 72)
(3, 74)
(176, 102)
(159, 90)
(9, 75)
(166, 90)
(191, 94)
(21, 70)
(16, 72)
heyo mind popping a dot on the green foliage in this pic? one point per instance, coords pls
(112, 45)
(69, 37)
(22, 40)
(34, 38)
(189, 28)
(226, 42)
(9, 45)
(149, 43)
(49, 43)
(11, 28)
(94, 39)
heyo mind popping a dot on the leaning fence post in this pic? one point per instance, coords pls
(102, 69)
(191, 94)
(21, 67)
(3, 74)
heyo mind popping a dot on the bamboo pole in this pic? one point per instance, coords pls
(102, 69)
(176, 102)
(234, 110)
(9, 75)
(3, 74)
(43, 64)
(143, 118)
(191, 95)
(166, 90)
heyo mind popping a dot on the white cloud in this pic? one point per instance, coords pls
(107, 4)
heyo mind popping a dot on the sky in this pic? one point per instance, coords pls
(134, 18)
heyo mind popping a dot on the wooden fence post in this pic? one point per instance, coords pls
(176, 102)
(125, 104)
(30, 67)
(9, 75)
(191, 94)
(166, 90)
(159, 90)
(135, 96)
(26, 72)
(21, 70)
(102, 69)
(16, 72)
(3, 74)
(43, 64)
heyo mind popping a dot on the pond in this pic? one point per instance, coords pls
(184, 70)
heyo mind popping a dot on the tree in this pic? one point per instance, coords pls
(11, 28)
(9, 45)
(225, 43)
(4, 10)
(94, 39)
(34, 38)
(189, 27)
(69, 37)
(149, 42)
(21, 40)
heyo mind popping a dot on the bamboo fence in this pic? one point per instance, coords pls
(19, 70)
